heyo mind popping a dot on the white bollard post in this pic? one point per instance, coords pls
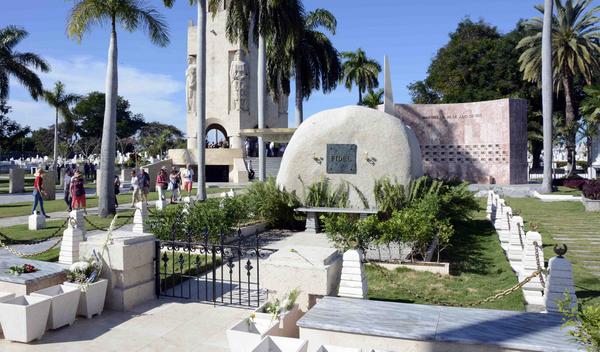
(516, 243)
(160, 204)
(490, 205)
(503, 226)
(531, 262)
(36, 222)
(139, 217)
(559, 282)
(353, 283)
(187, 201)
(78, 215)
(69, 248)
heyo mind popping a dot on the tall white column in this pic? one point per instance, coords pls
(262, 92)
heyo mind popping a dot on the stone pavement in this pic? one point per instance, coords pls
(161, 325)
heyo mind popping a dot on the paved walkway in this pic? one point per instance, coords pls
(161, 325)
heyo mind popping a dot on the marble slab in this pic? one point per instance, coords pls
(47, 270)
(506, 329)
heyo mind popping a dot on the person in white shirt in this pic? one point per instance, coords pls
(188, 179)
(67, 188)
(136, 195)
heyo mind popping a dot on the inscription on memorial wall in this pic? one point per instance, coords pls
(450, 117)
(341, 158)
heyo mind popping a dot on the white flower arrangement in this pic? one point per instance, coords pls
(278, 307)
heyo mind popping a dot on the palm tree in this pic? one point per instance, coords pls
(266, 21)
(19, 65)
(61, 102)
(590, 109)
(200, 92)
(316, 62)
(575, 53)
(131, 15)
(373, 99)
(360, 70)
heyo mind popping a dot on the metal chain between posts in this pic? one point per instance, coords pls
(494, 297)
(537, 262)
(521, 231)
(106, 229)
(21, 254)
(11, 241)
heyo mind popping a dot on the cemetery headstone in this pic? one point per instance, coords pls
(36, 222)
(16, 180)
(558, 283)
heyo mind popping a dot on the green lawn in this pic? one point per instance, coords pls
(24, 208)
(562, 190)
(567, 222)
(478, 270)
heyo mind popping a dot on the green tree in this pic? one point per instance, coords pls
(315, 60)
(19, 65)
(200, 91)
(89, 111)
(131, 15)
(575, 57)
(10, 131)
(590, 110)
(361, 71)
(61, 101)
(156, 138)
(373, 99)
(275, 21)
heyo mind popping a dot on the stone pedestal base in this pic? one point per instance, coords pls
(312, 223)
(559, 283)
(139, 217)
(129, 267)
(36, 222)
(353, 283)
(314, 270)
(69, 248)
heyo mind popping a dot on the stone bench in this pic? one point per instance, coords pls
(312, 220)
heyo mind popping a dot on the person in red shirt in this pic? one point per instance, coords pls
(38, 191)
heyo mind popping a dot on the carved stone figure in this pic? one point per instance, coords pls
(190, 79)
(238, 74)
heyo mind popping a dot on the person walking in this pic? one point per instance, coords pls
(188, 179)
(145, 185)
(67, 189)
(162, 183)
(117, 185)
(135, 187)
(174, 179)
(38, 191)
(78, 192)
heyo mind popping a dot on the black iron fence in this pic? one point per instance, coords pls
(221, 271)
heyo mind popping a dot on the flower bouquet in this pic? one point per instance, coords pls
(22, 269)
(285, 311)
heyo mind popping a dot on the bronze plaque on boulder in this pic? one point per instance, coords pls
(341, 158)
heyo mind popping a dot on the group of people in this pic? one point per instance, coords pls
(73, 187)
(215, 145)
(173, 181)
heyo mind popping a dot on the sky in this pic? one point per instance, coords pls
(152, 78)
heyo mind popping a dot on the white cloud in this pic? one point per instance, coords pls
(156, 96)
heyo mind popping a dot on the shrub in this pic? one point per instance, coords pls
(323, 194)
(274, 205)
(347, 231)
(591, 190)
(585, 321)
(169, 223)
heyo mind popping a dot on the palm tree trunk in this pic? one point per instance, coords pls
(262, 167)
(55, 142)
(106, 203)
(299, 97)
(360, 95)
(547, 95)
(570, 117)
(201, 98)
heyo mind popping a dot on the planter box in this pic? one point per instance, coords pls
(432, 267)
(286, 324)
(330, 348)
(281, 344)
(247, 333)
(91, 301)
(591, 205)
(24, 318)
(65, 300)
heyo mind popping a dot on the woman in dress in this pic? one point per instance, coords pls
(78, 192)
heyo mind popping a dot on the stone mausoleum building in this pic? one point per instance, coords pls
(231, 102)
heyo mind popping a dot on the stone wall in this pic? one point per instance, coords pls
(482, 142)
(16, 180)
(153, 169)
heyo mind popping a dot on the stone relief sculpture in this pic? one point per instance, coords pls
(238, 74)
(190, 82)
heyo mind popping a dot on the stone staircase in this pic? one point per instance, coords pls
(273, 164)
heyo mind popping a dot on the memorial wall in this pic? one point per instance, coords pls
(482, 142)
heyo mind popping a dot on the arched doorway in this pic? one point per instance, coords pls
(216, 136)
